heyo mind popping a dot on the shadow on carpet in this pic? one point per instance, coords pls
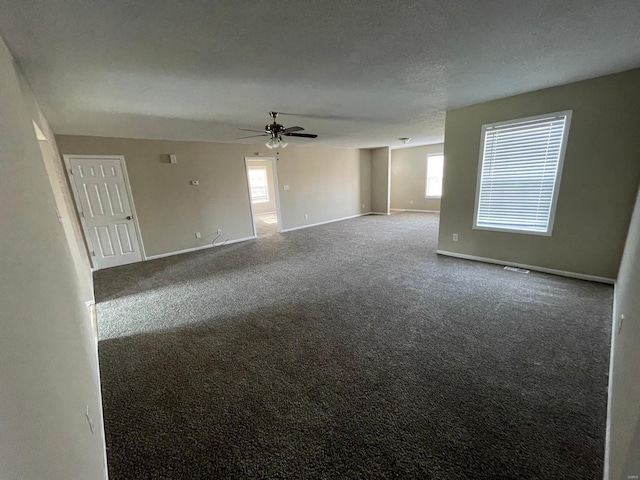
(338, 361)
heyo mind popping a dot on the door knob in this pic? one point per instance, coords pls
(129, 217)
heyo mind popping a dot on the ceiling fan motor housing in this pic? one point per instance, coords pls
(274, 128)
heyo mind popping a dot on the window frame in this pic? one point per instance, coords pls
(556, 184)
(266, 183)
(426, 177)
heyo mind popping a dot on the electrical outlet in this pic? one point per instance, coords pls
(455, 237)
(306, 216)
(363, 205)
(285, 187)
(195, 182)
(411, 202)
(219, 232)
(198, 235)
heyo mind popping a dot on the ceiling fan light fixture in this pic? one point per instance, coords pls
(275, 131)
(272, 143)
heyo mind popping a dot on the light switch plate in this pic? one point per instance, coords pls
(285, 187)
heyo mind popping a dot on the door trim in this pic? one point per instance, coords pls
(76, 200)
(276, 189)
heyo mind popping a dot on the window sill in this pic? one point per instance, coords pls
(513, 230)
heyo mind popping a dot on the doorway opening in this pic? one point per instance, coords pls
(262, 181)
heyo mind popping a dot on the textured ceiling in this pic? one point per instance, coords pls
(357, 72)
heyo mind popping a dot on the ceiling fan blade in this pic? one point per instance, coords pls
(252, 136)
(304, 135)
(247, 130)
(292, 129)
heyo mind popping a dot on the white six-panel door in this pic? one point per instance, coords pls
(104, 204)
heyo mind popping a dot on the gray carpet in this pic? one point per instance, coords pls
(351, 350)
(266, 224)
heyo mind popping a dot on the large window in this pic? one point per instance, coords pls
(519, 176)
(435, 166)
(258, 184)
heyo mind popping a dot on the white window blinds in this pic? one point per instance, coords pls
(521, 165)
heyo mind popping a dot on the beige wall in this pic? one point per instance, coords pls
(623, 459)
(48, 348)
(409, 178)
(270, 206)
(380, 177)
(598, 186)
(66, 210)
(324, 183)
(365, 180)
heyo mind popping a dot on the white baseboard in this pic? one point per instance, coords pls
(203, 247)
(237, 240)
(323, 223)
(552, 271)
(376, 213)
(411, 210)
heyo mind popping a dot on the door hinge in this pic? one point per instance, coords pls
(70, 172)
(93, 254)
(82, 215)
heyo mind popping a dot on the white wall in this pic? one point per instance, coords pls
(623, 436)
(48, 348)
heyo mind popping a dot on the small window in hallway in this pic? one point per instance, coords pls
(258, 184)
(435, 166)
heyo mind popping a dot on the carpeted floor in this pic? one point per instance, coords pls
(266, 224)
(351, 350)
